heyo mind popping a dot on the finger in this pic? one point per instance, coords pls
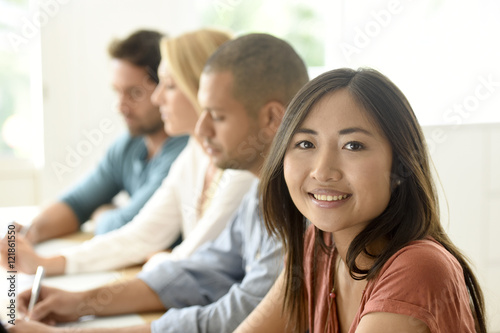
(42, 309)
(46, 304)
(49, 321)
(23, 309)
(47, 291)
(22, 316)
(18, 226)
(23, 300)
(4, 256)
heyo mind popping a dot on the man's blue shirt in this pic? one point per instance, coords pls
(216, 288)
(124, 167)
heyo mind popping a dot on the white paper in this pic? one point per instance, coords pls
(114, 321)
(54, 246)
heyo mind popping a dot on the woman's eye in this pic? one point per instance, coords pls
(216, 117)
(304, 145)
(353, 145)
(168, 84)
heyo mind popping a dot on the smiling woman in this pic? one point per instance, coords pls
(346, 182)
(350, 158)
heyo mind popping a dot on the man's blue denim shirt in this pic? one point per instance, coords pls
(220, 284)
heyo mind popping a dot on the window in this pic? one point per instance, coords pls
(20, 93)
(299, 22)
(443, 54)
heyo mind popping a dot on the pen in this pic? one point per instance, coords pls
(35, 291)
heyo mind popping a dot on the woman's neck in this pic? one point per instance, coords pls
(363, 261)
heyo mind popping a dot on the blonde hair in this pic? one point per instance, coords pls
(186, 56)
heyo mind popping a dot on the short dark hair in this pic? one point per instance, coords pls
(141, 48)
(264, 68)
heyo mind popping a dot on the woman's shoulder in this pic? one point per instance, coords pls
(425, 281)
(421, 261)
(427, 253)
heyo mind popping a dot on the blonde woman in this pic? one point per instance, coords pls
(196, 200)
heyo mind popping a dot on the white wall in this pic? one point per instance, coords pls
(467, 160)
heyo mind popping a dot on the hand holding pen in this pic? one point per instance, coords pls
(54, 305)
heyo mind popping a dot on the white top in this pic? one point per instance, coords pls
(172, 209)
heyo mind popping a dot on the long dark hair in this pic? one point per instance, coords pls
(412, 212)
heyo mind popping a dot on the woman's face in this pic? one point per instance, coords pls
(337, 166)
(177, 112)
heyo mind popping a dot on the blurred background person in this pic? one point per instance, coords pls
(136, 163)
